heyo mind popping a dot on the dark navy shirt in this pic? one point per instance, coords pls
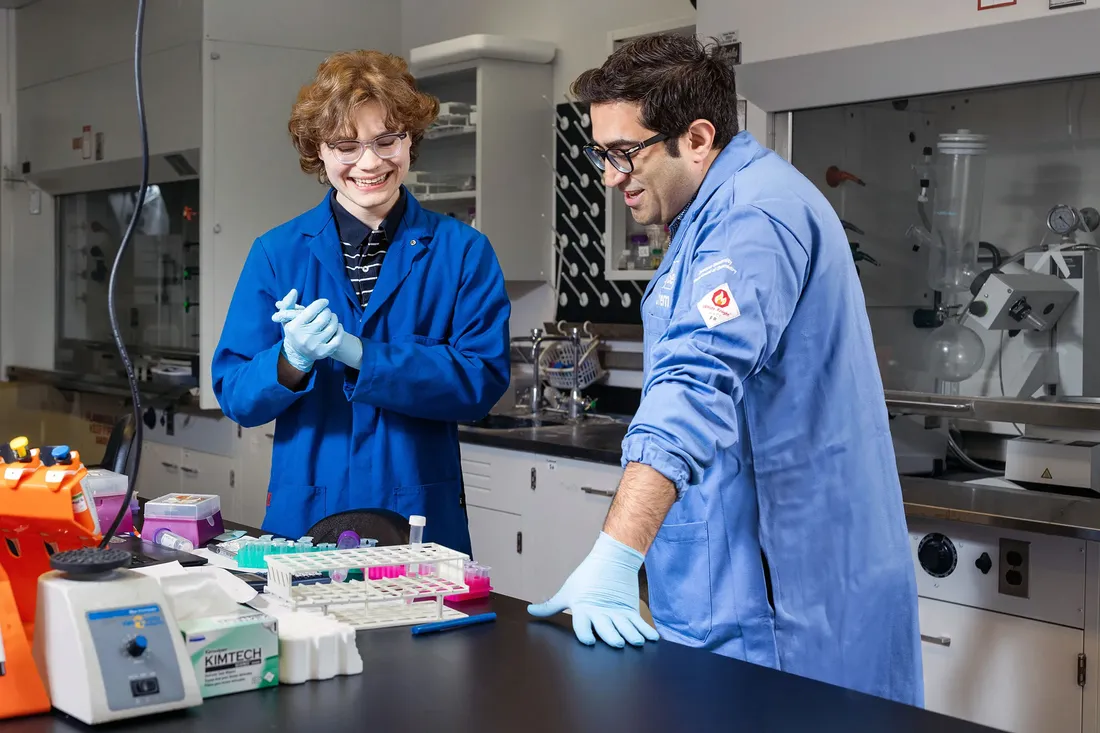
(364, 248)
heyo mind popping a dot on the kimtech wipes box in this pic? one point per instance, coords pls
(233, 653)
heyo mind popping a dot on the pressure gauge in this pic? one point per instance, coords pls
(1063, 219)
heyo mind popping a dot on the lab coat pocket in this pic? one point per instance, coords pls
(440, 503)
(293, 509)
(678, 571)
(653, 330)
(425, 340)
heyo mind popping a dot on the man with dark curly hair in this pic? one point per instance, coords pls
(760, 486)
(401, 330)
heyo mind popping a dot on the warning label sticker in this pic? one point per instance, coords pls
(718, 306)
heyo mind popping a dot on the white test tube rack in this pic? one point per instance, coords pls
(372, 604)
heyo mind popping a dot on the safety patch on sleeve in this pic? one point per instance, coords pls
(718, 306)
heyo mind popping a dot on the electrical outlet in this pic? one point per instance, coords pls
(1014, 568)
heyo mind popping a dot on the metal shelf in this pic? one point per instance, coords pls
(448, 196)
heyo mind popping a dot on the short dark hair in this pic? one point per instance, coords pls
(676, 80)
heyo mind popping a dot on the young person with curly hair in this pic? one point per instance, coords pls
(368, 326)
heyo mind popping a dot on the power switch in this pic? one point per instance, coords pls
(144, 686)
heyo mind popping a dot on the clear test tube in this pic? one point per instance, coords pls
(416, 537)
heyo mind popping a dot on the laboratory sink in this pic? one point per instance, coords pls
(514, 422)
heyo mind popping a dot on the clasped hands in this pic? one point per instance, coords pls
(313, 333)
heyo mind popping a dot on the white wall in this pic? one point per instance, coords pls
(781, 28)
(26, 241)
(579, 29)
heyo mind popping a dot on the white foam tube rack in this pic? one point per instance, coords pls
(377, 603)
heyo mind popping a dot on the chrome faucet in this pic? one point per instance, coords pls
(577, 404)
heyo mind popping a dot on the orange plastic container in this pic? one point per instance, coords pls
(37, 518)
(22, 691)
(43, 509)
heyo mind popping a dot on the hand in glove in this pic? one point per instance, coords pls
(311, 335)
(349, 349)
(603, 594)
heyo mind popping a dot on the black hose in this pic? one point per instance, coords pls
(995, 253)
(134, 387)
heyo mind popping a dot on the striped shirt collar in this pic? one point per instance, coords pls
(354, 232)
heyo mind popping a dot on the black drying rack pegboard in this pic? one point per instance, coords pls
(583, 293)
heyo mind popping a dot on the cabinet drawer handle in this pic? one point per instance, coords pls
(941, 640)
(270, 436)
(185, 469)
(597, 492)
(169, 466)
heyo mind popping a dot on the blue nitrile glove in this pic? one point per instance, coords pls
(603, 593)
(349, 349)
(311, 335)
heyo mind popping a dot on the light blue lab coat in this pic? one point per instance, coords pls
(436, 353)
(762, 401)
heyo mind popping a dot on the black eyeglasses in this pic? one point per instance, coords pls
(621, 159)
(384, 146)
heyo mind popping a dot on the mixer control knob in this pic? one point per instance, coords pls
(937, 555)
(137, 646)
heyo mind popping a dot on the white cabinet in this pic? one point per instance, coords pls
(511, 92)
(497, 539)
(498, 479)
(1004, 617)
(533, 518)
(569, 505)
(167, 469)
(159, 471)
(254, 453)
(1003, 671)
(206, 473)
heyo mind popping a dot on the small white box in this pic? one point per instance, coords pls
(1074, 463)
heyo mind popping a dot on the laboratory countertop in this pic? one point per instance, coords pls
(597, 442)
(522, 675)
(932, 498)
(154, 394)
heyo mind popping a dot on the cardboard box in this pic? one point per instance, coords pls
(233, 653)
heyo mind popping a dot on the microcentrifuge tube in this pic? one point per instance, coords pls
(167, 538)
(347, 540)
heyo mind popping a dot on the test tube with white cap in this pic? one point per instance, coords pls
(416, 537)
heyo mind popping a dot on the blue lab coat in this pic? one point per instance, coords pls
(435, 353)
(762, 402)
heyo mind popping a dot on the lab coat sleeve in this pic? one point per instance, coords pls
(459, 379)
(748, 272)
(245, 367)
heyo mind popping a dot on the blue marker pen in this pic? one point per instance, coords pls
(453, 624)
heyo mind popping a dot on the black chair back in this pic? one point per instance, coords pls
(389, 528)
(116, 456)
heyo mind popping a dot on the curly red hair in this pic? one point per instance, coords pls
(345, 81)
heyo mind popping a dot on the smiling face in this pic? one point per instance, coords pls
(369, 187)
(660, 185)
